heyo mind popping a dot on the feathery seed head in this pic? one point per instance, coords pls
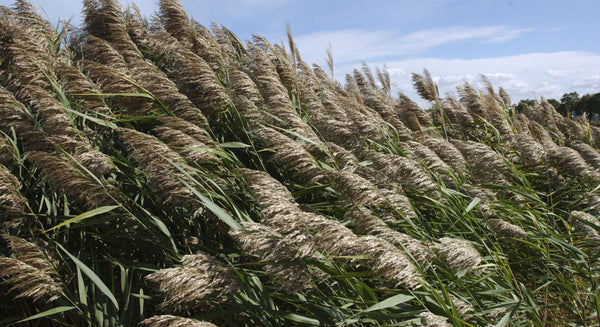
(584, 226)
(174, 321)
(460, 255)
(504, 229)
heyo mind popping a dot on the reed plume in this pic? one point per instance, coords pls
(192, 75)
(567, 159)
(460, 255)
(202, 281)
(586, 223)
(448, 153)
(421, 153)
(394, 168)
(155, 159)
(174, 321)
(367, 223)
(274, 93)
(288, 153)
(411, 115)
(472, 100)
(69, 179)
(588, 153)
(486, 165)
(429, 319)
(531, 153)
(174, 19)
(31, 273)
(288, 254)
(506, 230)
(12, 203)
(425, 86)
(381, 104)
(189, 140)
(329, 235)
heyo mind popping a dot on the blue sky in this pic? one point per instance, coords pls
(531, 48)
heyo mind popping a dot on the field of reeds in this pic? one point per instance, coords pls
(155, 171)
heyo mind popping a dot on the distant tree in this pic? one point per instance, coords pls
(554, 103)
(568, 104)
(589, 103)
(521, 106)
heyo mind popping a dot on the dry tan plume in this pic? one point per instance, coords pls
(174, 321)
(201, 281)
(586, 223)
(460, 255)
(30, 273)
(12, 203)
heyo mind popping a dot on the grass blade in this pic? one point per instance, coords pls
(85, 215)
(92, 276)
(46, 313)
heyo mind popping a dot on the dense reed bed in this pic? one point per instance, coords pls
(155, 171)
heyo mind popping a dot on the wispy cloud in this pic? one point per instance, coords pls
(359, 44)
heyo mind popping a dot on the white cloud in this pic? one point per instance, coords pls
(359, 44)
(524, 76)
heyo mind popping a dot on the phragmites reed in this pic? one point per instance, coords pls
(81, 89)
(506, 230)
(12, 203)
(202, 281)
(189, 140)
(345, 159)
(586, 223)
(588, 153)
(457, 114)
(473, 101)
(33, 82)
(31, 272)
(274, 93)
(393, 168)
(570, 129)
(192, 75)
(287, 255)
(567, 159)
(411, 115)
(419, 152)
(504, 96)
(448, 153)
(332, 124)
(329, 235)
(460, 255)
(176, 22)
(8, 156)
(545, 116)
(367, 223)
(273, 197)
(531, 153)
(486, 165)
(148, 76)
(356, 189)
(70, 179)
(158, 162)
(174, 321)
(429, 319)
(288, 153)
(398, 200)
(425, 86)
(380, 103)
(361, 192)
(109, 70)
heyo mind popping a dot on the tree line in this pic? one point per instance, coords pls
(571, 104)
